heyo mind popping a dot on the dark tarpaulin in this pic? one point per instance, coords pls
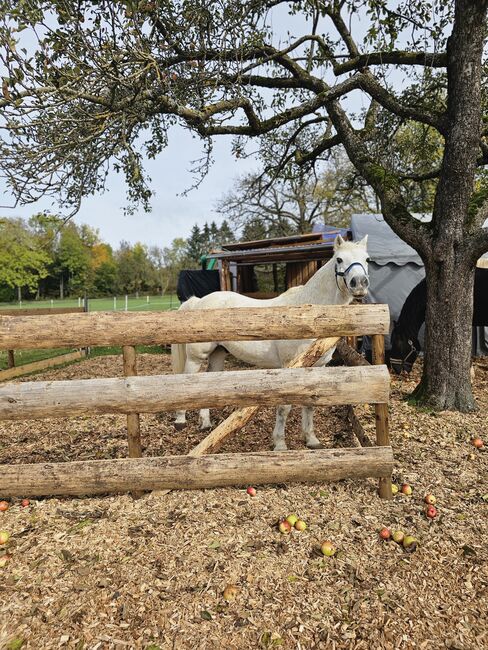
(197, 283)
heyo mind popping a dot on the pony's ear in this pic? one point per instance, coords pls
(363, 242)
(338, 242)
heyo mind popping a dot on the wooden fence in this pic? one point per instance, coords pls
(245, 389)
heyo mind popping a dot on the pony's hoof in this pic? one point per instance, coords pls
(280, 448)
(315, 445)
(179, 426)
(205, 427)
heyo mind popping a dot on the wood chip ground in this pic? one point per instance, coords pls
(114, 573)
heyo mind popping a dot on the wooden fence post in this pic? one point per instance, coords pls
(381, 410)
(10, 359)
(133, 427)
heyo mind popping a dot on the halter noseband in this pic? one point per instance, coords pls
(343, 274)
(413, 350)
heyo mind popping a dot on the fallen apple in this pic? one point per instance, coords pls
(394, 488)
(4, 506)
(430, 499)
(4, 536)
(24, 503)
(284, 527)
(407, 489)
(478, 443)
(398, 536)
(409, 543)
(328, 549)
(4, 560)
(385, 533)
(251, 491)
(300, 525)
(431, 512)
(230, 592)
(292, 519)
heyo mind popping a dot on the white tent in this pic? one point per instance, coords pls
(395, 269)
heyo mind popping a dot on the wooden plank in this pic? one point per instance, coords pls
(41, 311)
(381, 412)
(154, 328)
(43, 364)
(151, 394)
(185, 472)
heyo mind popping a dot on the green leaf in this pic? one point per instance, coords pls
(207, 616)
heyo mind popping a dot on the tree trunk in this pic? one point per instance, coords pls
(446, 382)
(61, 288)
(19, 294)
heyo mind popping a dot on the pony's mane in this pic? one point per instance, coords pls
(347, 245)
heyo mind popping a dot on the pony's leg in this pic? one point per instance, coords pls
(279, 430)
(196, 354)
(215, 364)
(311, 439)
(192, 365)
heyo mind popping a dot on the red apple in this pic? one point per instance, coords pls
(407, 489)
(300, 525)
(292, 519)
(4, 506)
(284, 527)
(328, 549)
(398, 536)
(431, 512)
(24, 503)
(478, 443)
(385, 533)
(430, 499)
(4, 536)
(251, 491)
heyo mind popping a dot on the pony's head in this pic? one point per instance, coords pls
(404, 349)
(351, 266)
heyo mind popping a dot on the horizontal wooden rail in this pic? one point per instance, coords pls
(186, 472)
(153, 328)
(41, 311)
(151, 394)
(43, 364)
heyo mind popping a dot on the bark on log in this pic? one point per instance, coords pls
(349, 355)
(307, 386)
(154, 328)
(358, 428)
(185, 472)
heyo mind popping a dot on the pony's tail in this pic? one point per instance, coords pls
(178, 350)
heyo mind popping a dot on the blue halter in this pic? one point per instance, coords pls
(343, 274)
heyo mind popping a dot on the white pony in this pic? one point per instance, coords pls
(338, 282)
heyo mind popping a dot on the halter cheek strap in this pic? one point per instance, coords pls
(343, 274)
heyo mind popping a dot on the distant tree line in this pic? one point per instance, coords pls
(46, 257)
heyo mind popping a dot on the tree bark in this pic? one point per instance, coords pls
(446, 381)
(450, 265)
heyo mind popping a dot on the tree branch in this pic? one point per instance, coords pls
(426, 59)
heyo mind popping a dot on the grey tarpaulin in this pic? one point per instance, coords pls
(395, 269)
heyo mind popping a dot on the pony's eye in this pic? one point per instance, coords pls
(339, 260)
(368, 259)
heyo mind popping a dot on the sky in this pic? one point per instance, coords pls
(173, 214)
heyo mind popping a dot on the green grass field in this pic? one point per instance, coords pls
(143, 303)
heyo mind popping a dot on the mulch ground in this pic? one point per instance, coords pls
(111, 572)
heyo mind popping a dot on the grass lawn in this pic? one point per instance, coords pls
(143, 303)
